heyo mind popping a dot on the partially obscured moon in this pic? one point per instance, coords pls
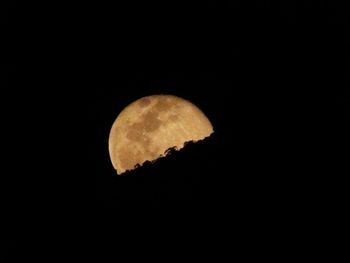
(148, 127)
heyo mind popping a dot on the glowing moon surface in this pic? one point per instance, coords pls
(148, 127)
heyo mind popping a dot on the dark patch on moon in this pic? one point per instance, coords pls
(173, 117)
(139, 132)
(163, 105)
(133, 133)
(151, 122)
(144, 102)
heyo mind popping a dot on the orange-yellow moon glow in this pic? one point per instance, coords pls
(148, 127)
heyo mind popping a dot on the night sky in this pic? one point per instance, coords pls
(272, 79)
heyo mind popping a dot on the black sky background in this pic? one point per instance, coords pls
(270, 79)
(273, 80)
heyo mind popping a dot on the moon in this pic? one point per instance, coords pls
(150, 126)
